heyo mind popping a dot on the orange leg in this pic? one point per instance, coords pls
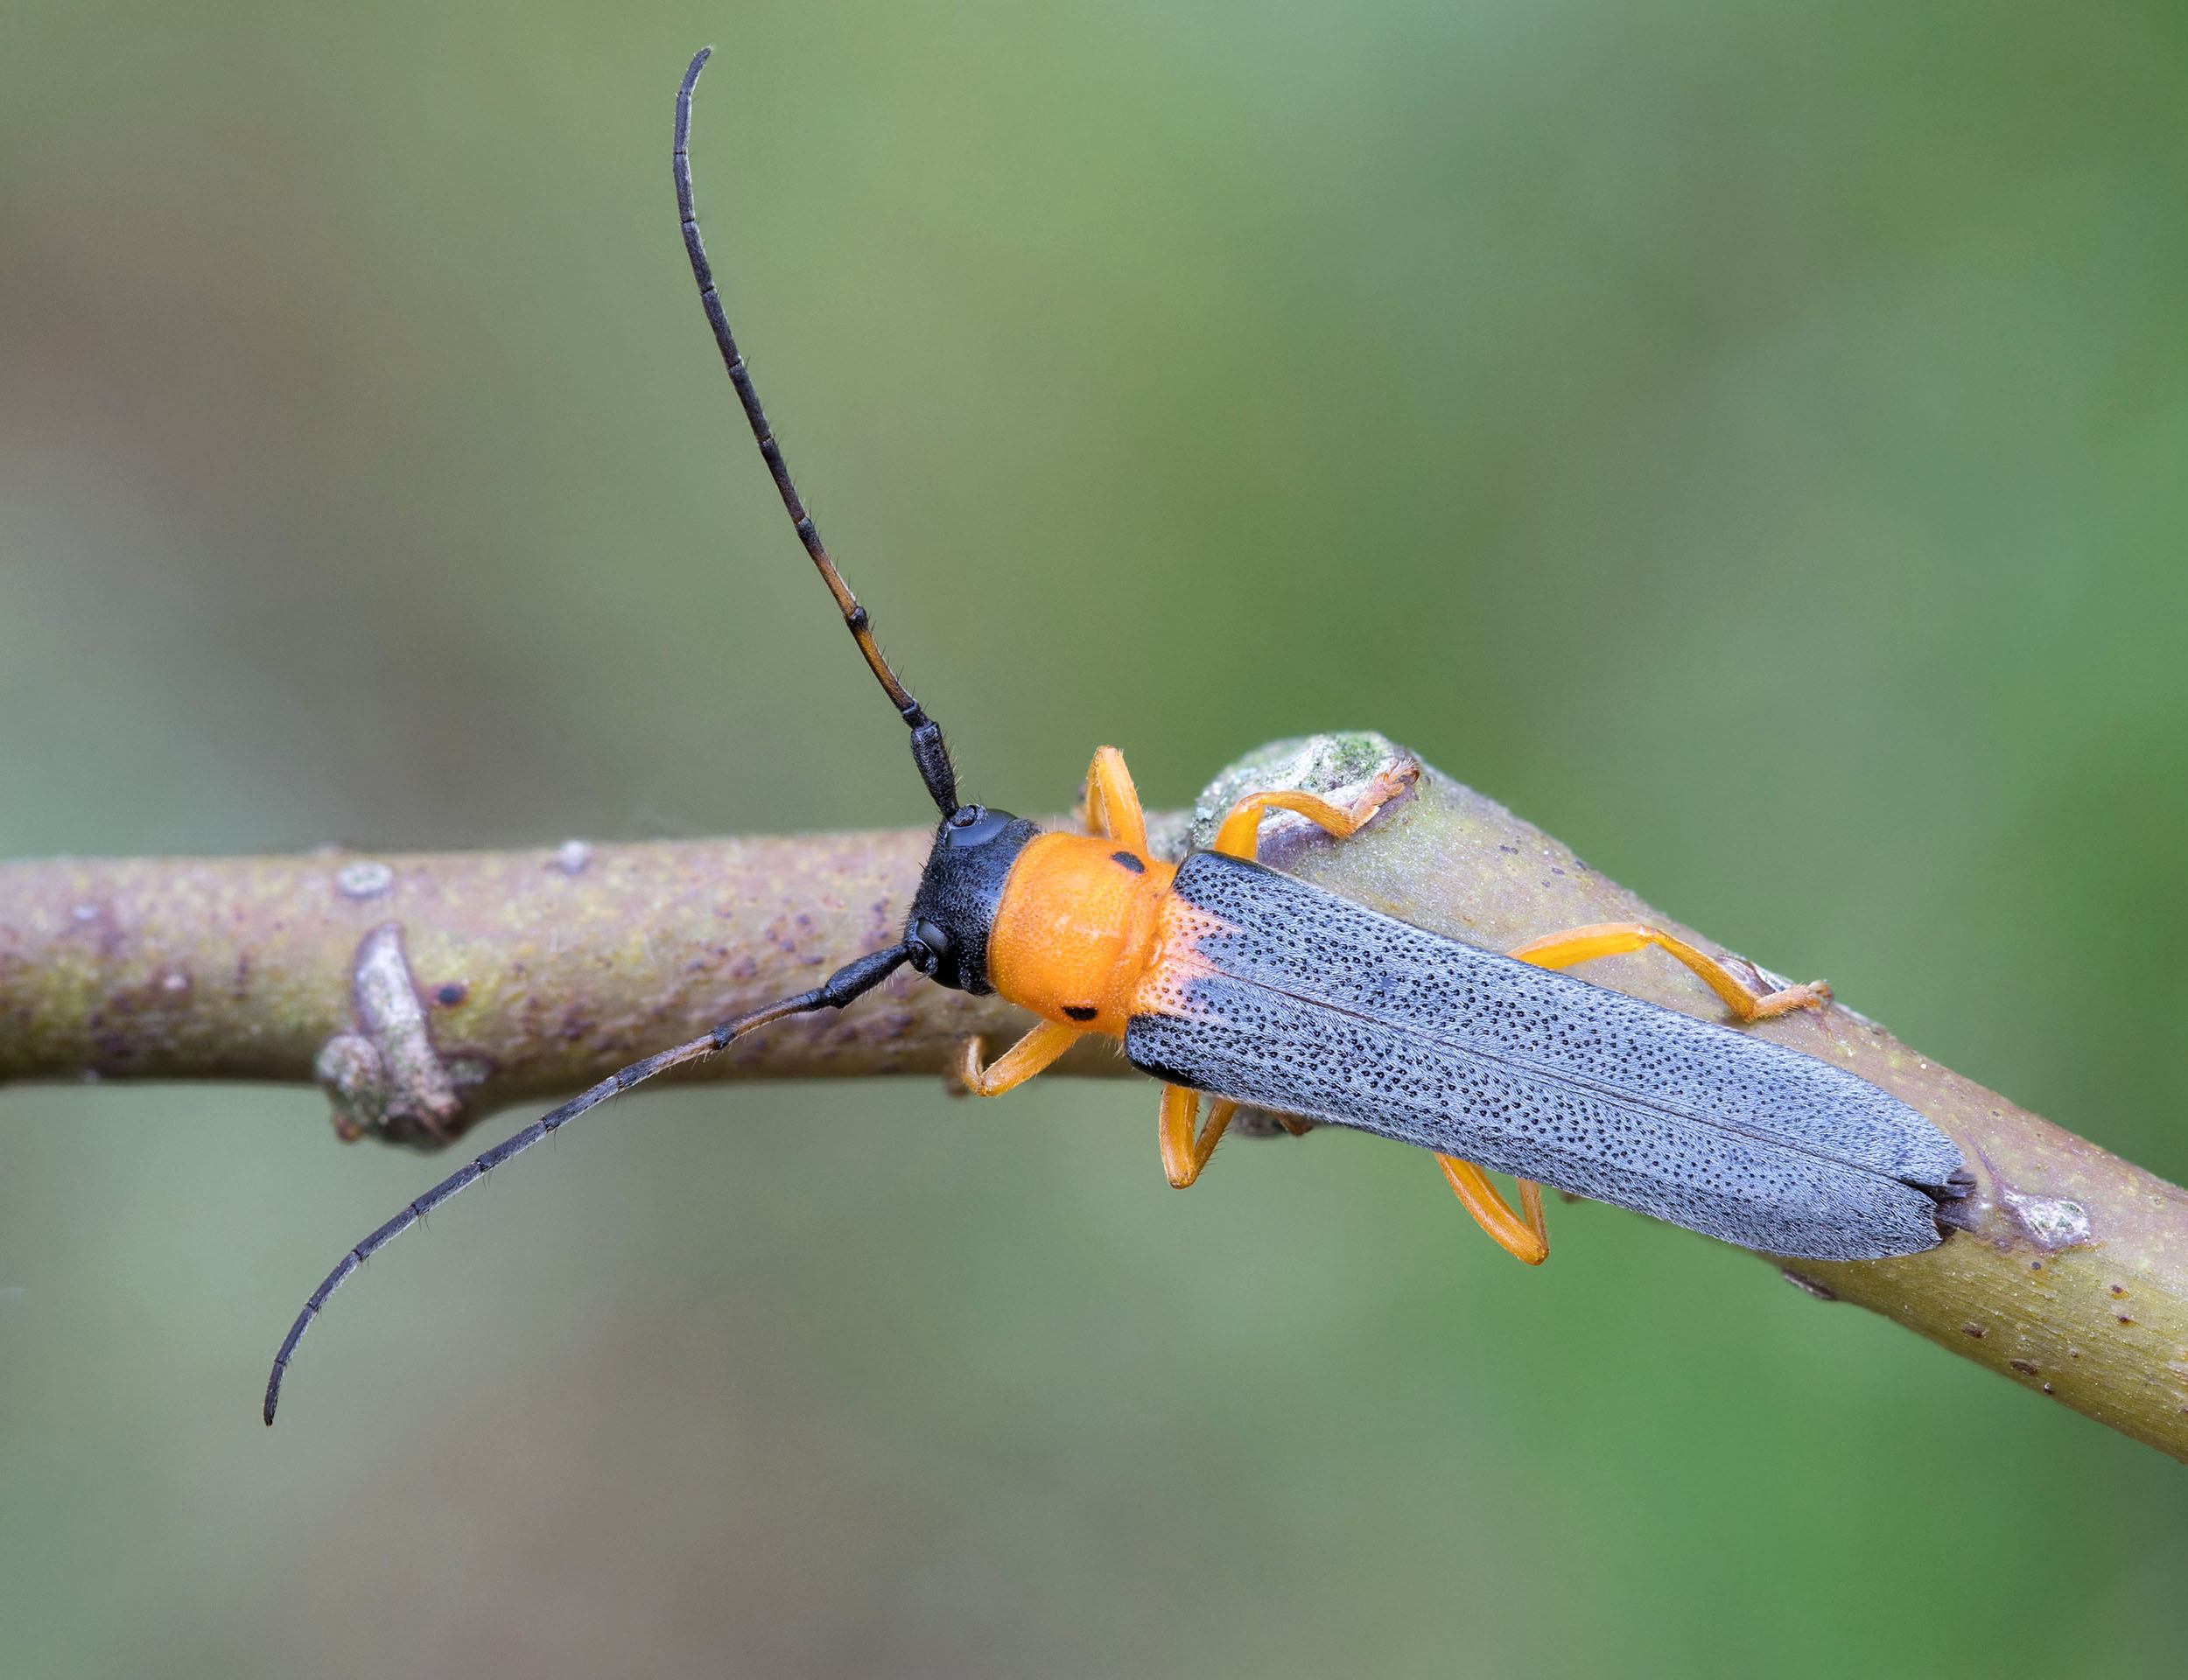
(1237, 837)
(1184, 1155)
(1030, 1055)
(1617, 938)
(1526, 1239)
(1530, 1241)
(1112, 803)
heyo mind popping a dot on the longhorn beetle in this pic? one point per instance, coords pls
(1227, 979)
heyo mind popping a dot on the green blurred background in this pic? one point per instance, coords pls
(1746, 440)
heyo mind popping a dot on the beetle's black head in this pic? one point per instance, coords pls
(954, 908)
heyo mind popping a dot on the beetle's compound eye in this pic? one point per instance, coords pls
(929, 945)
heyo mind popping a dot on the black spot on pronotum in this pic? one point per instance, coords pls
(1129, 862)
(1081, 1011)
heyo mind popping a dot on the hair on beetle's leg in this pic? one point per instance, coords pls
(1242, 826)
(1031, 1054)
(1112, 803)
(1531, 1209)
(1527, 1239)
(1184, 1154)
(1617, 938)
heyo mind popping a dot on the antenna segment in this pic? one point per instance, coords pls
(928, 752)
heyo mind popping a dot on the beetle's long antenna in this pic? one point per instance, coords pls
(853, 980)
(928, 752)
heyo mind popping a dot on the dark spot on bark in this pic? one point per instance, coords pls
(1081, 1011)
(1975, 1330)
(1513, 849)
(1129, 862)
(452, 994)
(2119, 1289)
(2023, 1366)
(2123, 1318)
(2036, 1265)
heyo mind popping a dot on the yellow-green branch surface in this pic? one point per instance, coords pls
(422, 992)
